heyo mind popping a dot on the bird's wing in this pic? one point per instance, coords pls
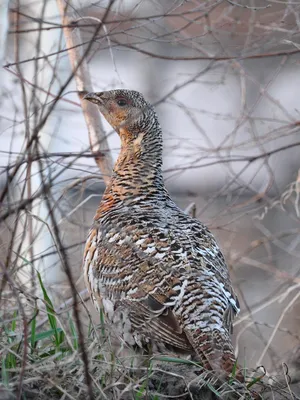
(146, 264)
(157, 321)
(120, 273)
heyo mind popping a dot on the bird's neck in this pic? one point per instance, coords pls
(137, 173)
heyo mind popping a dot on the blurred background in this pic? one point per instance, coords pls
(224, 77)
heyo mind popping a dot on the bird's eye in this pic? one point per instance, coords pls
(121, 102)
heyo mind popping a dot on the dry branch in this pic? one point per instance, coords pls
(98, 140)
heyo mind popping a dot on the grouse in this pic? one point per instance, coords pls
(157, 273)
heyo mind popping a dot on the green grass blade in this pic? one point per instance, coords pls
(46, 334)
(61, 336)
(14, 322)
(212, 389)
(74, 333)
(4, 372)
(140, 394)
(102, 322)
(50, 311)
(233, 373)
(254, 381)
(33, 331)
(11, 360)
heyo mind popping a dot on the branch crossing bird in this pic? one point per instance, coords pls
(157, 273)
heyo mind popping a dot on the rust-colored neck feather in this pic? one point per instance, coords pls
(137, 173)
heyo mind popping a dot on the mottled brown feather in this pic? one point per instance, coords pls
(158, 274)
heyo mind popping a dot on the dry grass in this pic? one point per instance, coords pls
(40, 359)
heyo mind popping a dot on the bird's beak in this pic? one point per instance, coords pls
(93, 98)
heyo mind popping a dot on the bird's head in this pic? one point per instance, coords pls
(126, 111)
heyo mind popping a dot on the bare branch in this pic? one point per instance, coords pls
(98, 140)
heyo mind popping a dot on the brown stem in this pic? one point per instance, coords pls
(98, 140)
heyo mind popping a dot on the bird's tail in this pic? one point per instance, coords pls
(215, 352)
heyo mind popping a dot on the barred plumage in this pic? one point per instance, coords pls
(158, 274)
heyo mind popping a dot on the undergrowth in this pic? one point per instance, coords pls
(44, 355)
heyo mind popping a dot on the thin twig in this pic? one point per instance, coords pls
(98, 140)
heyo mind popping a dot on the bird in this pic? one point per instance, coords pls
(157, 274)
